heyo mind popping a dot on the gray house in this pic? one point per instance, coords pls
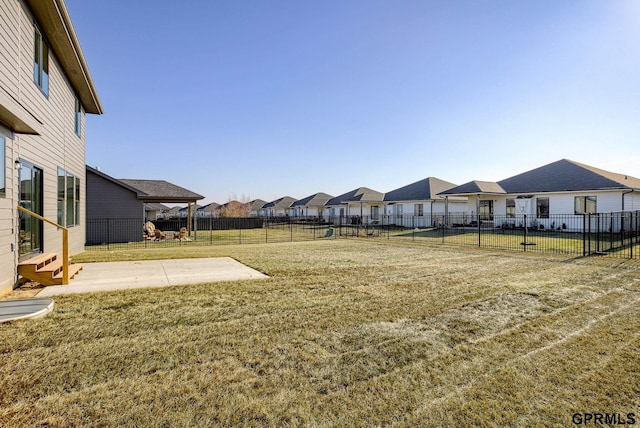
(311, 206)
(361, 202)
(562, 188)
(116, 207)
(419, 205)
(281, 207)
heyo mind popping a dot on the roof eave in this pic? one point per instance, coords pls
(54, 20)
(16, 117)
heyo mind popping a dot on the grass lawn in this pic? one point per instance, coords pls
(343, 333)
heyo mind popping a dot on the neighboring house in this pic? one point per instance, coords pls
(562, 188)
(255, 207)
(311, 206)
(187, 212)
(278, 208)
(154, 211)
(211, 210)
(419, 205)
(362, 202)
(113, 203)
(235, 209)
(45, 91)
(174, 212)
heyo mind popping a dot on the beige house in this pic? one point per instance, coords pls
(45, 92)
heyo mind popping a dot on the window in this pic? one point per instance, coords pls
(399, 209)
(375, 212)
(78, 118)
(41, 62)
(68, 198)
(3, 166)
(418, 209)
(511, 208)
(486, 210)
(61, 191)
(542, 207)
(585, 204)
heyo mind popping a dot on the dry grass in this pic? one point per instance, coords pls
(344, 333)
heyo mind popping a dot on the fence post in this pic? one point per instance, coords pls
(584, 235)
(109, 234)
(479, 240)
(526, 232)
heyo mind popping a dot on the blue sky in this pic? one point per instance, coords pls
(262, 99)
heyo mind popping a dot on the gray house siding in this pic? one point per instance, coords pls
(39, 126)
(110, 208)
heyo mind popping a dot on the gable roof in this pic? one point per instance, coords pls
(567, 176)
(187, 208)
(161, 191)
(422, 190)
(361, 194)
(154, 206)
(316, 200)
(476, 187)
(283, 202)
(212, 206)
(256, 204)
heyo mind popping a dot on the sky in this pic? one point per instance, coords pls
(263, 99)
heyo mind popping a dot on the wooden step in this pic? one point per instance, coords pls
(46, 269)
(40, 260)
(74, 268)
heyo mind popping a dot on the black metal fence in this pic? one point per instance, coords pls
(611, 234)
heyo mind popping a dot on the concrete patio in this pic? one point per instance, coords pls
(153, 273)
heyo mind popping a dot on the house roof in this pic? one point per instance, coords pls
(361, 194)
(284, 202)
(422, 190)
(475, 187)
(316, 200)
(54, 20)
(151, 190)
(212, 206)
(567, 176)
(256, 204)
(187, 207)
(561, 176)
(154, 206)
(161, 191)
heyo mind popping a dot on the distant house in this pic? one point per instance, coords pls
(46, 90)
(255, 207)
(563, 187)
(211, 210)
(362, 202)
(154, 211)
(174, 212)
(188, 211)
(235, 209)
(116, 207)
(311, 206)
(281, 207)
(419, 205)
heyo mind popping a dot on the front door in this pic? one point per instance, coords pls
(31, 199)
